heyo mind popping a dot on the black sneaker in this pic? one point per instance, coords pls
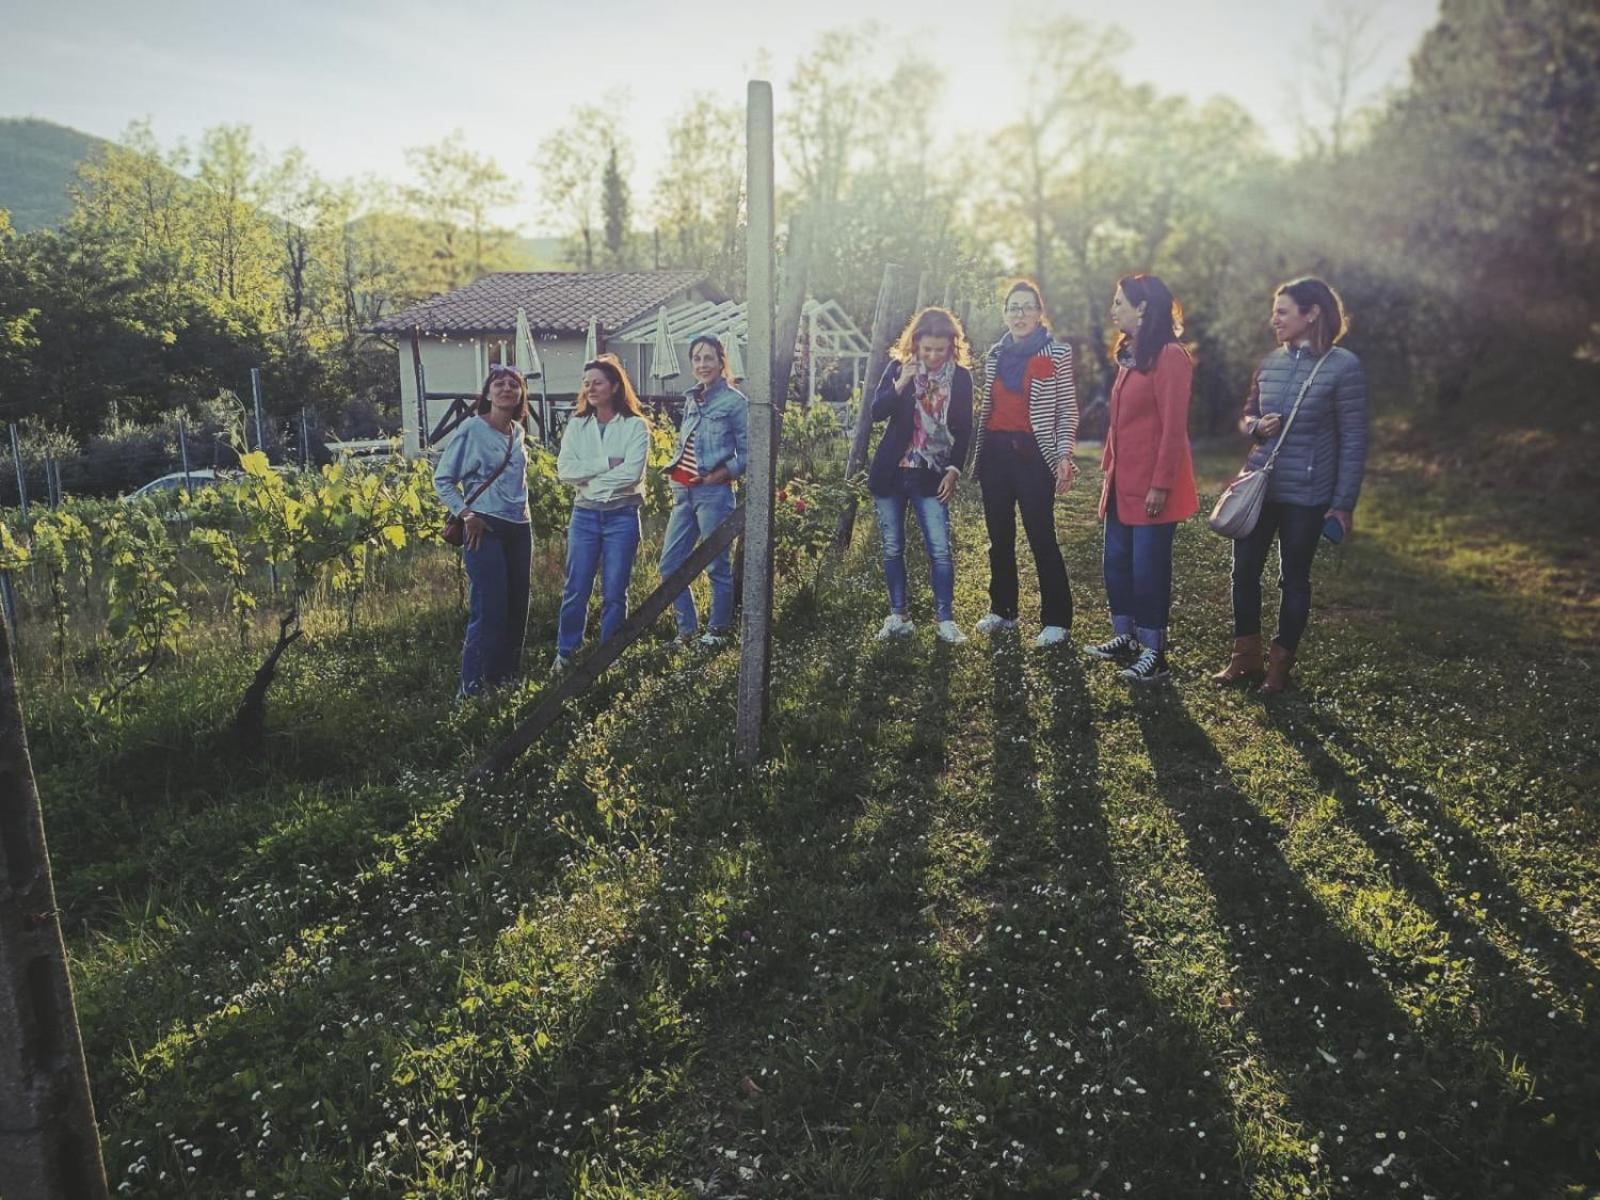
(1122, 648)
(1149, 667)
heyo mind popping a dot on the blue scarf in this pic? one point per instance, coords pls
(1014, 356)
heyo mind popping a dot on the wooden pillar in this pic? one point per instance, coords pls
(811, 360)
(49, 1144)
(422, 389)
(760, 281)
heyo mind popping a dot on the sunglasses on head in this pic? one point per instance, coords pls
(497, 369)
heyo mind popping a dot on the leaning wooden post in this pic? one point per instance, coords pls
(49, 1145)
(888, 318)
(760, 278)
(422, 389)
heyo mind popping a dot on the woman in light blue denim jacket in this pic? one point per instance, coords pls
(499, 531)
(709, 456)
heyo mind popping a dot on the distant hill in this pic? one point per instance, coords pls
(38, 160)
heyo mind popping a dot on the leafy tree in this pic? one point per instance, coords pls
(455, 197)
(233, 236)
(699, 199)
(571, 165)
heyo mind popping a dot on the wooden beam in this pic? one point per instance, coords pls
(589, 668)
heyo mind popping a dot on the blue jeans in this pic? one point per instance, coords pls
(603, 542)
(934, 517)
(1138, 572)
(696, 512)
(497, 608)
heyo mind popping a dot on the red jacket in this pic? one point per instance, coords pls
(1147, 441)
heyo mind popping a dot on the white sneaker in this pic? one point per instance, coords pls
(1051, 635)
(559, 666)
(895, 625)
(712, 640)
(992, 623)
(949, 631)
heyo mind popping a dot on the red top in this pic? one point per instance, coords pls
(686, 470)
(1008, 410)
(1147, 441)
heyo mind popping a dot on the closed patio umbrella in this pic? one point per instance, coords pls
(530, 366)
(663, 354)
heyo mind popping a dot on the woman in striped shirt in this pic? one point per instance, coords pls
(1026, 431)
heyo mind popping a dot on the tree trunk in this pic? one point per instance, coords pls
(250, 722)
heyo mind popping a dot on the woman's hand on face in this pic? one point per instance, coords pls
(1268, 425)
(1153, 500)
(947, 486)
(1066, 472)
(475, 527)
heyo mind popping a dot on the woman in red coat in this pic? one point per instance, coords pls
(1149, 476)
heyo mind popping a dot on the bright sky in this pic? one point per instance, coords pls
(355, 82)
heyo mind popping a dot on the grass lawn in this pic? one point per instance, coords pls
(985, 922)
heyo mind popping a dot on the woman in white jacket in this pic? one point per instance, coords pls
(603, 453)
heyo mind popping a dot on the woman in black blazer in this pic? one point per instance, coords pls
(926, 396)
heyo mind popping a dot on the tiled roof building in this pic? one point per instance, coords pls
(555, 301)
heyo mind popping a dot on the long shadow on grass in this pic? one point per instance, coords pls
(807, 983)
(1142, 1098)
(1560, 1047)
(1313, 994)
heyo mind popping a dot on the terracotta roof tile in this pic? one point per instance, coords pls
(556, 301)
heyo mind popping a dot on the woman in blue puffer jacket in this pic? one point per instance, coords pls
(1316, 479)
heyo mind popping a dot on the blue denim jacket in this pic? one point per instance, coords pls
(718, 417)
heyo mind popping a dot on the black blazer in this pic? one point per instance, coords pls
(899, 407)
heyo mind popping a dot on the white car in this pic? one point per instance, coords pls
(201, 478)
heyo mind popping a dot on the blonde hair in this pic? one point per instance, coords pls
(934, 322)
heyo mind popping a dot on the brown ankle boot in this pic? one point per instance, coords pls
(1278, 664)
(1245, 662)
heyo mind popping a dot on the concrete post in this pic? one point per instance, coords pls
(255, 391)
(760, 280)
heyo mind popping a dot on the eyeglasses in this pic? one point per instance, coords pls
(1020, 310)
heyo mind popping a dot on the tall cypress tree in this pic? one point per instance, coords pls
(614, 201)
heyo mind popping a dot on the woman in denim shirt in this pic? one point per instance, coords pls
(499, 531)
(709, 456)
(603, 454)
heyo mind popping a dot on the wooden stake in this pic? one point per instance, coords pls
(49, 1144)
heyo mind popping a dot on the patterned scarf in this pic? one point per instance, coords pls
(931, 439)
